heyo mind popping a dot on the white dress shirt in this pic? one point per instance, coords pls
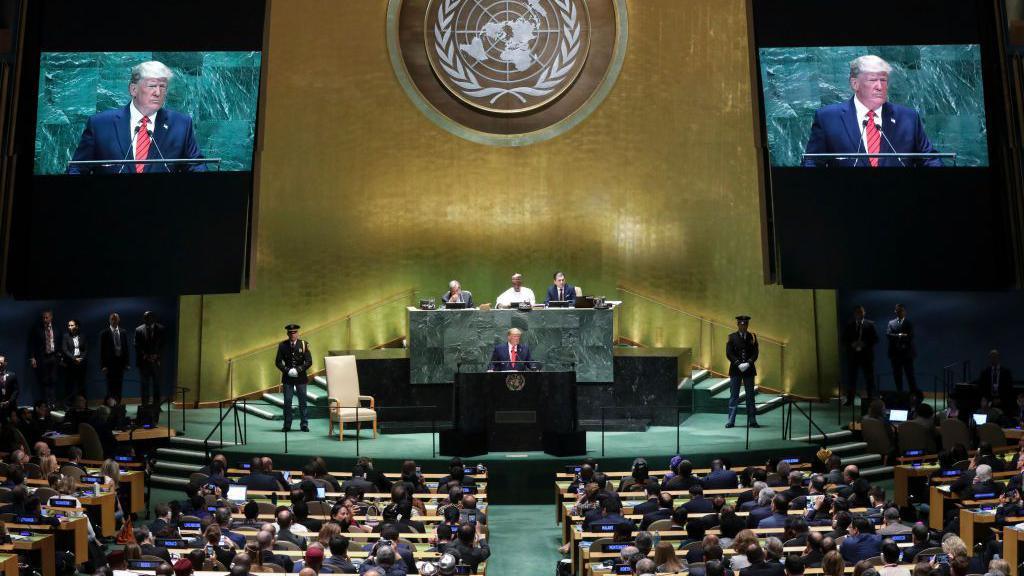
(862, 115)
(136, 120)
(509, 296)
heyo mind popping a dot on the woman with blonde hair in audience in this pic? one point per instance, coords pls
(66, 488)
(665, 558)
(112, 475)
(327, 531)
(48, 464)
(832, 564)
(740, 543)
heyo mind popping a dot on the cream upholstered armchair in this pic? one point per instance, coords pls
(343, 396)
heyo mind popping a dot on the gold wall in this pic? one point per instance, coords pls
(360, 196)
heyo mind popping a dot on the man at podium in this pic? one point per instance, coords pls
(142, 130)
(868, 124)
(512, 355)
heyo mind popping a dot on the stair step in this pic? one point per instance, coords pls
(714, 385)
(316, 396)
(264, 411)
(862, 459)
(181, 454)
(831, 436)
(177, 467)
(198, 443)
(877, 472)
(699, 374)
(169, 481)
(275, 398)
(771, 402)
(320, 381)
(726, 393)
(849, 447)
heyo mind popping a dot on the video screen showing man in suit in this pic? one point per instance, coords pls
(197, 107)
(835, 106)
(142, 130)
(869, 123)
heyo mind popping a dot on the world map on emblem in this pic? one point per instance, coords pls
(507, 56)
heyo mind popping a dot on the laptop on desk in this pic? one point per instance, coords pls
(585, 302)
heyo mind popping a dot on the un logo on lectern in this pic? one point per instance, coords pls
(507, 72)
(515, 382)
(507, 56)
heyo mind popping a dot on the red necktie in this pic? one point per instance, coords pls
(874, 138)
(142, 145)
(513, 355)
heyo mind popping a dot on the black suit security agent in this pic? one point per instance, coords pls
(859, 340)
(902, 349)
(742, 350)
(149, 346)
(44, 355)
(293, 359)
(8, 390)
(996, 383)
(74, 351)
(114, 355)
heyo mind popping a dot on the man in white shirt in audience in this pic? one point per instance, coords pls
(517, 293)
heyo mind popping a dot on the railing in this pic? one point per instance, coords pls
(649, 321)
(239, 426)
(788, 403)
(922, 381)
(376, 323)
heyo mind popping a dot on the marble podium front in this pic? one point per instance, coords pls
(441, 342)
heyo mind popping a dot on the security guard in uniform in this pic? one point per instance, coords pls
(741, 350)
(293, 359)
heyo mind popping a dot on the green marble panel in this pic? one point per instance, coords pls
(943, 83)
(220, 90)
(440, 340)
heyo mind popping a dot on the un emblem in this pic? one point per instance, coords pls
(507, 72)
(507, 56)
(515, 382)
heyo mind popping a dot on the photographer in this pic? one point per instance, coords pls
(383, 560)
(470, 548)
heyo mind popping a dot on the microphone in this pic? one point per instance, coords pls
(887, 141)
(158, 151)
(860, 143)
(135, 133)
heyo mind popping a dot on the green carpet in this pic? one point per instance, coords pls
(524, 540)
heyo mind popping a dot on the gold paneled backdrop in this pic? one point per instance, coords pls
(361, 199)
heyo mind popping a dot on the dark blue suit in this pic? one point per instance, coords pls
(720, 480)
(501, 361)
(836, 130)
(568, 292)
(107, 136)
(860, 547)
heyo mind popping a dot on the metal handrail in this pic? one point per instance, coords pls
(239, 430)
(787, 425)
(406, 294)
(358, 311)
(707, 360)
(695, 316)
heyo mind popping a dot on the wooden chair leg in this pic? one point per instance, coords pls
(341, 430)
(374, 427)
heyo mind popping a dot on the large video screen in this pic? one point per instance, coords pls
(135, 146)
(883, 144)
(927, 103)
(199, 108)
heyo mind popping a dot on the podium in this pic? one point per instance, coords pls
(831, 159)
(514, 411)
(127, 166)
